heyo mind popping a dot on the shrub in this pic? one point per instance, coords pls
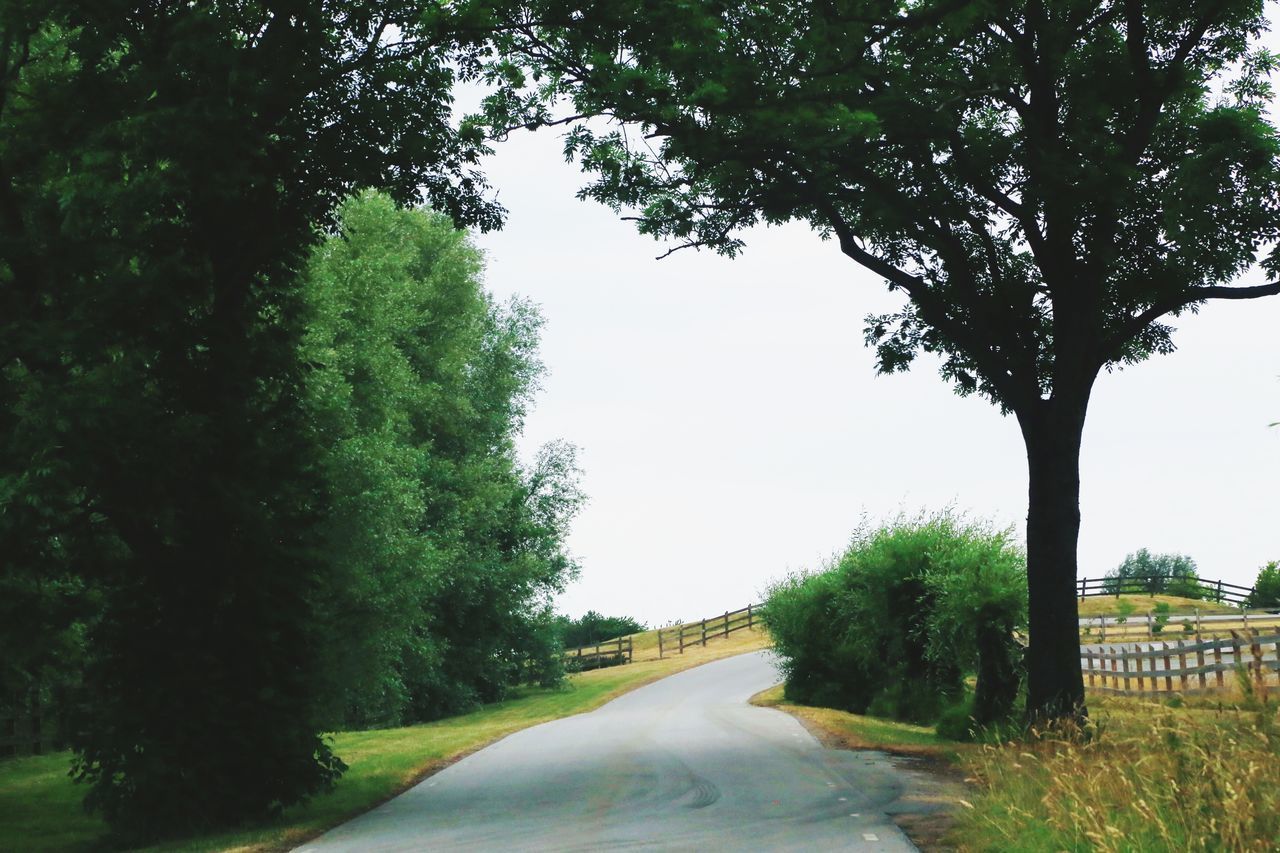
(592, 628)
(1161, 611)
(894, 624)
(1266, 589)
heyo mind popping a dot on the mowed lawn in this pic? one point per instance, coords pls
(40, 806)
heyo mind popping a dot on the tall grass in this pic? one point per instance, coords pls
(1147, 778)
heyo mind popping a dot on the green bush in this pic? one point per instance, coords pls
(894, 624)
(1266, 589)
(1144, 572)
(593, 627)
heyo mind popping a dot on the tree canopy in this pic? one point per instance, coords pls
(446, 549)
(1043, 182)
(165, 171)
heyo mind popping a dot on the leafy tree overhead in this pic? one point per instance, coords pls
(1044, 183)
(1143, 571)
(164, 171)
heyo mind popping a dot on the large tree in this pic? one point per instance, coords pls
(447, 550)
(165, 168)
(1044, 182)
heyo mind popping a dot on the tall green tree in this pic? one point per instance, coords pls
(447, 550)
(164, 170)
(1045, 183)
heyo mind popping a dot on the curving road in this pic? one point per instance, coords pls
(682, 764)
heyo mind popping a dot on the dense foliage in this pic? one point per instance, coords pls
(1044, 183)
(1266, 588)
(592, 627)
(893, 626)
(173, 475)
(1142, 571)
(446, 550)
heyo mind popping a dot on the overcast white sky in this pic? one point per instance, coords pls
(732, 427)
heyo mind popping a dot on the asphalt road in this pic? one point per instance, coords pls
(682, 764)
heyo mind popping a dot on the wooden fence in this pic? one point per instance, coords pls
(1183, 667)
(677, 637)
(1221, 591)
(606, 653)
(1152, 624)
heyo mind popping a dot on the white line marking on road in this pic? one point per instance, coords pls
(870, 836)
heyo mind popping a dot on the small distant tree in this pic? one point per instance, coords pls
(1266, 589)
(1142, 571)
(593, 627)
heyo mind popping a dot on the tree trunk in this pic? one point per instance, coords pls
(1052, 431)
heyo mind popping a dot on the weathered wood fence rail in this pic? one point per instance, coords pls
(1221, 591)
(606, 653)
(678, 637)
(1183, 667)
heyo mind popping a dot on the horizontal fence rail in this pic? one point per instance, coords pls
(1152, 624)
(1221, 591)
(678, 637)
(1181, 667)
(606, 653)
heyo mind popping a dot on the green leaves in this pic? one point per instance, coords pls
(446, 550)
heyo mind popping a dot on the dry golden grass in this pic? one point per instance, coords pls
(1108, 605)
(1150, 778)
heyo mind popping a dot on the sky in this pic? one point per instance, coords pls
(732, 428)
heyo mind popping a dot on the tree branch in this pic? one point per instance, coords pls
(1138, 322)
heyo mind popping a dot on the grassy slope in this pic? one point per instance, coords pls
(1108, 605)
(40, 806)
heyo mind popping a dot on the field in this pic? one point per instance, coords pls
(40, 806)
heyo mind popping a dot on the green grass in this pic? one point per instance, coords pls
(856, 731)
(40, 806)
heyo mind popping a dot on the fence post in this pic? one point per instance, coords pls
(750, 622)
(659, 644)
(1244, 617)
(1204, 684)
(1082, 583)
(1217, 661)
(1115, 670)
(1219, 590)
(630, 650)
(1103, 620)
(1151, 631)
(1255, 649)
(1182, 665)
(704, 632)
(1137, 662)
(726, 623)
(1197, 624)
(1168, 669)
(1124, 666)
(1089, 658)
(680, 631)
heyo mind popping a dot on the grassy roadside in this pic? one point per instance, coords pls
(1200, 774)
(40, 807)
